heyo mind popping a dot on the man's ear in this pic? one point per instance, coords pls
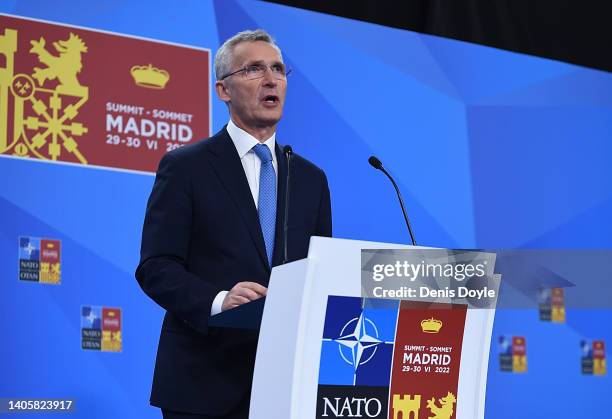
(222, 91)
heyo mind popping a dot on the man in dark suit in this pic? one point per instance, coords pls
(214, 228)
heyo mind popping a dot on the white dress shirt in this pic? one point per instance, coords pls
(244, 143)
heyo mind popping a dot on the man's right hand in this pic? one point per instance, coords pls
(242, 293)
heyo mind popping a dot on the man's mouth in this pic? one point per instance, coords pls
(271, 99)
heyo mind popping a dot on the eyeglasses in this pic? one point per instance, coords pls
(257, 71)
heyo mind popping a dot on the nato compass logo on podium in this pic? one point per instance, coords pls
(356, 356)
(357, 345)
(358, 341)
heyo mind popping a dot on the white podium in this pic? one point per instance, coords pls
(288, 381)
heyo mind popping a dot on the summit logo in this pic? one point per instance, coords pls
(389, 359)
(39, 260)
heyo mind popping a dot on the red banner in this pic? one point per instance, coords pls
(73, 95)
(425, 371)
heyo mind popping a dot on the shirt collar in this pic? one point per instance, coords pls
(244, 142)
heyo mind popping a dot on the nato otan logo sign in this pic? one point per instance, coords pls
(593, 359)
(386, 358)
(39, 260)
(552, 305)
(101, 328)
(512, 354)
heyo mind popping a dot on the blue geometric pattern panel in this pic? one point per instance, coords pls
(491, 149)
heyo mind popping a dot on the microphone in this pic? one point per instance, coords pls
(288, 151)
(377, 164)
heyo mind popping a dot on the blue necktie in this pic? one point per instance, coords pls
(266, 204)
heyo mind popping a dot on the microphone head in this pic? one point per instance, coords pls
(287, 149)
(375, 162)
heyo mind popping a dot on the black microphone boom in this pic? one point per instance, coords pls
(375, 163)
(288, 151)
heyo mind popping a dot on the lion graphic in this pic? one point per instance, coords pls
(64, 67)
(445, 411)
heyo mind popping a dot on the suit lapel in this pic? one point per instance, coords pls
(227, 165)
(281, 185)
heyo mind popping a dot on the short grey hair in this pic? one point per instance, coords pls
(223, 57)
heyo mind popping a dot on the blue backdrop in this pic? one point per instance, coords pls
(490, 148)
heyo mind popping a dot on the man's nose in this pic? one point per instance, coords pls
(269, 79)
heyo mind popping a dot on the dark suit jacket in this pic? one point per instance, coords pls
(201, 235)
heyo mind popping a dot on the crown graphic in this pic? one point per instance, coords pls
(149, 76)
(431, 325)
(50, 245)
